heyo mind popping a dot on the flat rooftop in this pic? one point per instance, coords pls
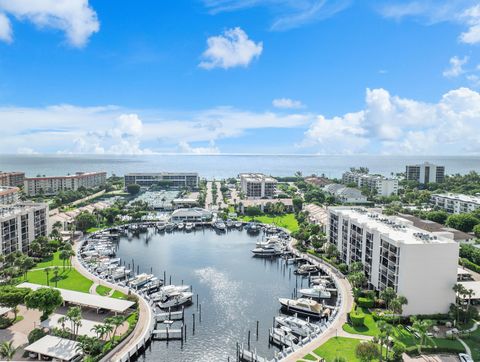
(76, 175)
(87, 300)
(396, 228)
(257, 177)
(15, 209)
(475, 286)
(55, 347)
(460, 197)
(162, 174)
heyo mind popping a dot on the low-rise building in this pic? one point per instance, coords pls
(12, 179)
(347, 195)
(52, 185)
(9, 195)
(184, 203)
(379, 184)
(425, 173)
(456, 203)
(189, 180)
(195, 214)
(20, 224)
(318, 181)
(419, 265)
(257, 185)
(317, 215)
(265, 204)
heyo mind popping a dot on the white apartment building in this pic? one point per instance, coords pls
(257, 185)
(419, 265)
(382, 185)
(347, 195)
(9, 195)
(54, 184)
(20, 224)
(13, 179)
(456, 203)
(188, 180)
(425, 173)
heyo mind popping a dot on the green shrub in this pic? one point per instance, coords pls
(357, 319)
(35, 335)
(469, 265)
(365, 302)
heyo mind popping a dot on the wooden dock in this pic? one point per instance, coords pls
(251, 356)
(168, 334)
(170, 316)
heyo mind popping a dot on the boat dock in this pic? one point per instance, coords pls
(170, 316)
(251, 356)
(168, 334)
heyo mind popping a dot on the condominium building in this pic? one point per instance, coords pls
(381, 185)
(20, 224)
(346, 195)
(9, 195)
(456, 203)
(425, 173)
(13, 179)
(188, 180)
(420, 265)
(54, 184)
(257, 185)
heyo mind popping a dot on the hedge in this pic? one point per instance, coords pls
(357, 319)
(413, 350)
(469, 265)
(365, 302)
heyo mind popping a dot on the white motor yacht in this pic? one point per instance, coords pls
(283, 336)
(302, 306)
(140, 280)
(316, 291)
(175, 300)
(168, 290)
(307, 269)
(189, 226)
(180, 226)
(298, 326)
(266, 251)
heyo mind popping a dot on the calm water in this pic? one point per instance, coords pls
(223, 166)
(235, 290)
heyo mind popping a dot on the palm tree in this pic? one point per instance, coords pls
(7, 350)
(55, 274)
(397, 305)
(388, 294)
(421, 327)
(115, 321)
(35, 248)
(98, 329)
(384, 336)
(62, 321)
(74, 315)
(47, 272)
(64, 256)
(459, 290)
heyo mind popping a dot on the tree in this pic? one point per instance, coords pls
(115, 321)
(388, 294)
(384, 336)
(459, 290)
(462, 222)
(476, 230)
(27, 264)
(55, 275)
(133, 189)
(44, 299)
(89, 346)
(64, 255)
(421, 327)
(85, 221)
(366, 351)
(397, 305)
(437, 216)
(12, 297)
(253, 211)
(47, 271)
(35, 248)
(7, 350)
(297, 204)
(74, 316)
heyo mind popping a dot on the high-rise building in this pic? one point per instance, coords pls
(425, 173)
(54, 184)
(20, 224)
(189, 180)
(13, 179)
(257, 185)
(420, 265)
(9, 195)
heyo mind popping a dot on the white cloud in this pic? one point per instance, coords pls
(287, 103)
(471, 16)
(289, 14)
(5, 29)
(231, 49)
(75, 17)
(393, 125)
(185, 147)
(456, 67)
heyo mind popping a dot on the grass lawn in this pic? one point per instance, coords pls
(103, 290)
(54, 260)
(287, 221)
(119, 295)
(409, 340)
(369, 329)
(67, 279)
(474, 343)
(338, 347)
(92, 230)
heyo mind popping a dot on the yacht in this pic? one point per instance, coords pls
(220, 225)
(302, 306)
(283, 336)
(169, 227)
(189, 226)
(238, 224)
(268, 250)
(175, 300)
(120, 273)
(229, 223)
(253, 228)
(307, 269)
(168, 290)
(140, 280)
(298, 326)
(180, 226)
(317, 291)
(161, 227)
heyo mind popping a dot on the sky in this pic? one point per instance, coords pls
(240, 76)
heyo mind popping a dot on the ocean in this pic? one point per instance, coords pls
(223, 166)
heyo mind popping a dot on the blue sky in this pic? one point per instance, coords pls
(240, 76)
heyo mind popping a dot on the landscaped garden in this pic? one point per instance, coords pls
(336, 347)
(287, 221)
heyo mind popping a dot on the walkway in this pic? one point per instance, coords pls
(145, 315)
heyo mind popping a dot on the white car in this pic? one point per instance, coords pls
(465, 357)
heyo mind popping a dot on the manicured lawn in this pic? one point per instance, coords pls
(92, 230)
(67, 279)
(119, 295)
(54, 260)
(287, 221)
(309, 357)
(474, 343)
(369, 329)
(338, 346)
(103, 290)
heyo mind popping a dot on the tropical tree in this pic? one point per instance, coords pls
(64, 255)
(388, 294)
(74, 316)
(27, 264)
(460, 291)
(12, 297)
(384, 336)
(115, 321)
(397, 305)
(367, 351)
(7, 350)
(44, 299)
(47, 271)
(89, 346)
(421, 327)
(55, 275)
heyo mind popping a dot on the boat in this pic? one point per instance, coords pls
(302, 306)
(168, 290)
(180, 226)
(307, 269)
(253, 228)
(298, 326)
(169, 227)
(220, 225)
(189, 226)
(266, 251)
(229, 223)
(283, 336)
(175, 300)
(161, 227)
(239, 224)
(317, 291)
(140, 280)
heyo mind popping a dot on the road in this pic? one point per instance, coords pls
(210, 204)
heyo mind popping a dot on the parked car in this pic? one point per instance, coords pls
(465, 357)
